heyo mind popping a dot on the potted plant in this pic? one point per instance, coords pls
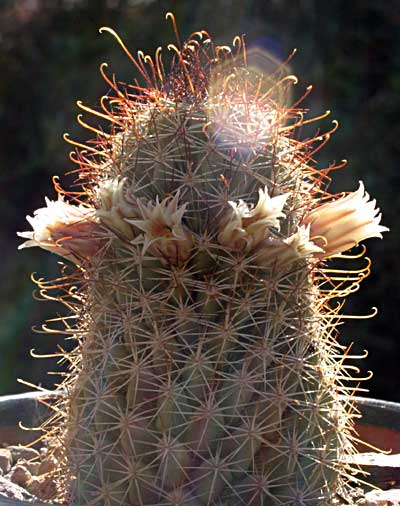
(207, 369)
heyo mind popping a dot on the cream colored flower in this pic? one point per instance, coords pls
(115, 207)
(284, 252)
(341, 224)
(301, 244)
(164, 235)
(232, 233)
(245, 227)
(67, 230)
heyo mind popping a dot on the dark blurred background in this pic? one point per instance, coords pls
(50, 51)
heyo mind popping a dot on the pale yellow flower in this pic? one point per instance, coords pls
(232, 233)
(114, 207)
(164, 234)
(281, 252)
(245, 227)
(341, 224)
(67, 230)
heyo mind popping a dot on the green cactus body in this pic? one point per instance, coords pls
(207, 370)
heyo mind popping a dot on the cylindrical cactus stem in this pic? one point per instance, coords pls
(207, 371)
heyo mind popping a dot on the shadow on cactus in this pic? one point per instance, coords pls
(207, 369)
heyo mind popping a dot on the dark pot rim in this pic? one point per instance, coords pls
(371, 409)
(27, 408)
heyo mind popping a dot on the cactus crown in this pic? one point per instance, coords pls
(207, 369)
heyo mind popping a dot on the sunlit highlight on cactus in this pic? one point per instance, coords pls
(207, 370)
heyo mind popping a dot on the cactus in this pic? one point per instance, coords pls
(207, 369)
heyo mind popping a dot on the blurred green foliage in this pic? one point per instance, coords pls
(50, 51)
